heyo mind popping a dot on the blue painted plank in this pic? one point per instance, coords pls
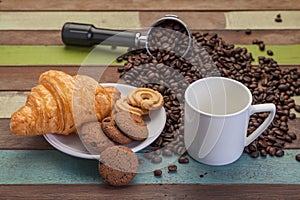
(54, 167)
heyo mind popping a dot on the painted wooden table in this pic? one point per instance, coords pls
(30, 44)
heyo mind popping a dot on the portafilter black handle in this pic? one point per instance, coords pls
(88, 35)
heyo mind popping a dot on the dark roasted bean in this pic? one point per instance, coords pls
(297, 157)
(297, 108)
(183, 160)
(157, 172)
(279, 153)
(172, 168)
(270, 52)
(156, 159)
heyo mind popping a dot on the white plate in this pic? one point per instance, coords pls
(72, 145)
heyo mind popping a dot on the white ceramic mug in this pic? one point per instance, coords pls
(216, 118)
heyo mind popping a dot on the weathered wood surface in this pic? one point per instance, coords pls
(148, 5)
(30, 168)
(151, 191)
(54, 167)
(53, 37)
(260, 20)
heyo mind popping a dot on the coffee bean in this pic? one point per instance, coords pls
(278, 18)
(297, 108)
(279, 153)
(148, 155)
(167, 152)
(272, 151)
(263, 153)
(270, 52)
(255, 41)
(261, 46)
(248, 31)
(283, 87)
(183, 160)
(157, 172)
(293, 136)
(156, 159)
(141, 161)
(297, 157)
(254, 154)
(172, 168)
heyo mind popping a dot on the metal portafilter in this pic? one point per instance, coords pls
(88, 35)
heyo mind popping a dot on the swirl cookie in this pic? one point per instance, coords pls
(131, 125)
(145, 98)
(122, 105)
(118, 165)
(110, 129)
(93, 138)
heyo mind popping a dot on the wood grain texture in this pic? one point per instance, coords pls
(262, 20)
(148, 5)
(166, 191)
(40, 20)
(277, 37)
(9, 140)
(23, 78)
(55, 167)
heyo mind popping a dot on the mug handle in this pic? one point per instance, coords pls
(268, 107)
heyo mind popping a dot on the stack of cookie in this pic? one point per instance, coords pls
(127, 124)
(123, 127)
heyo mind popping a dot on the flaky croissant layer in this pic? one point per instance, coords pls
(61, 102)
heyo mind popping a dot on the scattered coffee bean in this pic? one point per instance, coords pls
(270, 52)
(172, 168)
(157, 172)
(167, 152)
(254, 154)
(255, 41)
(183, 160)
(157, 152)
(141, 161)
(297, 157)
(201, 175)
(292, 116)
(278, 18)
(156, 159)
(297, 108)
(279, 153)
(148, 155)
(120, 69)
(261, 46)
(248, 31)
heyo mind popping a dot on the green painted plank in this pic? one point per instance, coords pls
(283, 54)
(61, 55)
(58, 55)
(54, 167)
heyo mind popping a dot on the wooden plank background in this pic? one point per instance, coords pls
(30, 43)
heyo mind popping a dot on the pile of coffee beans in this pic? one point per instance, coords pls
(212, 56)
(169, 36)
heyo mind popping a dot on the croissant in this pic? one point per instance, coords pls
(60, 103)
